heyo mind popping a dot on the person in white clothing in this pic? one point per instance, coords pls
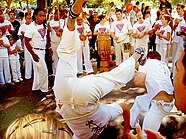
(176, 45)
(158, 101)
(84, 32)
(120, 31)
(101, 28)
(5, 76)
(165, 37)
(5, 25)
(27, 58)
(78, 98)
(14, 60)
(140, 32)
(35, 41)
(55, 27)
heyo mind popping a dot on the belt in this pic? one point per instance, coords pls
(163, 103)
(97, 104)
(38, 48)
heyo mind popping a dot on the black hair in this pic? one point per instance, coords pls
(181, 5)
(11, 12)
(36, 11)
(119, 10)
(154, 55)
(101, 17)
(137, 2)
(21, 14)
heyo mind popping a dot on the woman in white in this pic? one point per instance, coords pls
(100, 29)
(14, 60)
(55, 27)
(35, 41)
(5, 76)
(84, 32)
(164, 35)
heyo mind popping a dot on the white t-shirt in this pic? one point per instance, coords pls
(14, 55)
(181, 28)
(164, 30)
(102, 28)
(55, 27)
(121, 28)
(138, 28)
(22, 28)
(3, 50)
(85, 28)
(157, 41)
(157, 77)
(37, 33)
(3, 26)
(177, 38)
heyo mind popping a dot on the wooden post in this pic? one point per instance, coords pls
(41, 4)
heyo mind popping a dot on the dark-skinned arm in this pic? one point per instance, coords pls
(29, 47)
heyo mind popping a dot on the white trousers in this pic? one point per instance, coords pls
(55, 57)
(154, 115)
(174, 49)
(163, 50)
(119, 52)
(84, 53)
(141, 105)
(40, 80)
(28, 64)
(5, 76)
(178, 53)
(86, 90)
(15, 68)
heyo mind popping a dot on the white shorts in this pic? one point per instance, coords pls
(90, 126)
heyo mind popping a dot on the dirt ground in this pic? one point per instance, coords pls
(18, 100)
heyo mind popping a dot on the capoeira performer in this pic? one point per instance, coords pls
(27, 57)
(120, 31)
(77, 99)
(35, 41)
(140, 32)
(165, 37)
(84, 51)
(55, 27)
(158, 101)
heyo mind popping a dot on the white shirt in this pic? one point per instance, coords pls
(37, 33)
(3, 50)
(83, 29)
(177, 38)
(144, 27)
(181, 28)
(14, 55)
(102, 28)
(121, 28)
(3, 26)
(164, 30)
(56, 25)
(157, 77)
(157, 41)
(22, 28)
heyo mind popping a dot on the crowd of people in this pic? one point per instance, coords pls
(67, 35)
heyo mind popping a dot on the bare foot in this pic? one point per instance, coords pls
(77, 7)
